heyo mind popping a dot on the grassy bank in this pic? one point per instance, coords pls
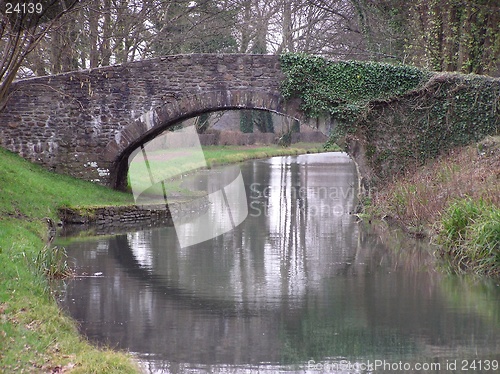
(455, 200)
(35, 336)
(175, 162)
(218, 155)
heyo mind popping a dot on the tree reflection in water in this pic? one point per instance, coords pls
(294, 282)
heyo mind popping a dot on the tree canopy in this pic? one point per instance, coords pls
(443, 35)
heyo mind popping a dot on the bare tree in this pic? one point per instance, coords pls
(204, 26)
(22, 25)
(455, 35)
(253, 26)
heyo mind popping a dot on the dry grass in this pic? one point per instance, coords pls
(456, 201)
(418, 199)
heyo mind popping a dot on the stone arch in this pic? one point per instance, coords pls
(153, 122)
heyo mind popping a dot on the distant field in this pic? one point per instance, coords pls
(168, 164)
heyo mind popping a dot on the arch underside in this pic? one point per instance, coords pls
(154, 122)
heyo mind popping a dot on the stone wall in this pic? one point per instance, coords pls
(111, 220)
(120, 215)
(115, 216)
(396, 136)
(86, 123)
(116, 219)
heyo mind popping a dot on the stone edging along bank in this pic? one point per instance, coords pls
(127, 216)
(114, 215)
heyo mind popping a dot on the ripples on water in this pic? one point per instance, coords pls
(299, 286)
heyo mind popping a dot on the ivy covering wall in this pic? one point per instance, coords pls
(399, 116)
(451, 110)
(345, 88)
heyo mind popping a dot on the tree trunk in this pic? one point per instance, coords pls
(287, 27)
(93, 19)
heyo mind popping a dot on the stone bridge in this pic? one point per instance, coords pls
(87, 123)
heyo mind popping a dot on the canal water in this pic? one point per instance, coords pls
(299, 286)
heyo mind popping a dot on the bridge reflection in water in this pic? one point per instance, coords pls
(298, 280)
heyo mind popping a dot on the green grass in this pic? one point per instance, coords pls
(35, 336)
(470, 237)
(218, 155)
(29, 191)
(181, 160)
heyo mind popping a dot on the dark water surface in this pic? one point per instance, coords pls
(299, 286)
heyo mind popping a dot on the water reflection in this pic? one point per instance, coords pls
(298, 286)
